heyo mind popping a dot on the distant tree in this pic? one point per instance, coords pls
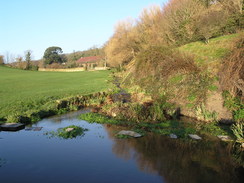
(9, 57)
(53, 55)
(19, 59)
(123, 46)
(74, 56)
(28, 59)
(1, 60)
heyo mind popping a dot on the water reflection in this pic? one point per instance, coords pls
(100, 157)
(2, 162)
(176, 161)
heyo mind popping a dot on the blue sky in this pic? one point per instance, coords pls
(70, 24)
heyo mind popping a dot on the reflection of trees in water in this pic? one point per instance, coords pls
(68, 116)
(2, 162)
(175, 161)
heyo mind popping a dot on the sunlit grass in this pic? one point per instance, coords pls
(210, 54)
(21, 91)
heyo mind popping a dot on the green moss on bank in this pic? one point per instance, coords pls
(68, 132)
(179, 128)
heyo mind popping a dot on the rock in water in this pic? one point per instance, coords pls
(173, 136)
(33, 128)
(130, 133)
(195, 137)
(69, 129)
(224, 137)
(12, 126)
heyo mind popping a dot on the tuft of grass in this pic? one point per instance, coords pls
(62, 133)
(98, 118)
(212, 88)
(235, 105)
(238, 131)
(213, 129)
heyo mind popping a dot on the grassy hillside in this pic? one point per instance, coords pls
(210, 54)
(21, 91)
(192, 81)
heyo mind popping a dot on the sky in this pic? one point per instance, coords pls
(73, 25)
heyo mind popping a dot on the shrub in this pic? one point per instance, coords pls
(162, 62)
(238, 131)
(231, 74)
(1, 60)
(210, 23)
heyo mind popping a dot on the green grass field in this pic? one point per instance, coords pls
(21, 91)
(215, 50)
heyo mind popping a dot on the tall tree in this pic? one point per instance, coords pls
(28, 59)
(53, 55)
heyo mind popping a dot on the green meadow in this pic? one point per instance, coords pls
(22, 91)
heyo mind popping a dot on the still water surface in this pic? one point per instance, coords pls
(98, 156)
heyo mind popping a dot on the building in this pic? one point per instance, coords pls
(91, 62)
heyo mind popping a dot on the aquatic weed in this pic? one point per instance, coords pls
(65, 133)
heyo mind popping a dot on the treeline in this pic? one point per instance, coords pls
(71, 58)
(54, 58)
(177, 23)
(93, 51)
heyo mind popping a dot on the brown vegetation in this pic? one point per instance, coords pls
(177, 23)
(232, 71)
(1, 60)
(147, 50)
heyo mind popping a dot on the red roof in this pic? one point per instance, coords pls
(89, 59)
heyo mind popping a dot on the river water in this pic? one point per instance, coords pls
(98, 156)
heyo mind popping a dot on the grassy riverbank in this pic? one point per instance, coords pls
(25, 92)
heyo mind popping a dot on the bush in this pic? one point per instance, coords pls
(238, 131)
(232, 71)
(162, 62)
(1, 60)
(234, 104)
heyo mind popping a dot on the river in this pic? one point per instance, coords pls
(98, 156)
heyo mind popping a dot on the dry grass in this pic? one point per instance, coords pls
(232, 71)
(162, 62)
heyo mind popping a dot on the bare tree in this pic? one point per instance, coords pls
(1, 59)
(210, 23)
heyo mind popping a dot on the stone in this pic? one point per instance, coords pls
(173, 136)
(12, 126)
(69, 129)
(195, 137)
(37, 128)
(130, 133)
(224, 137)
(33, 128)
(29, 129)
